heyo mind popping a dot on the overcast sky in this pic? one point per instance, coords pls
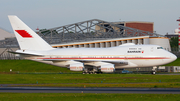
(54, 13)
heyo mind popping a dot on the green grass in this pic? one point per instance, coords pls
(86, 97)
(99, 80)
(23, 66)
(80, 78)
(48, 75)
(174, 63)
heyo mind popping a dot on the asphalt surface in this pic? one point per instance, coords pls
(89, 90)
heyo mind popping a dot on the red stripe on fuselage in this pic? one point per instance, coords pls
(23, 33)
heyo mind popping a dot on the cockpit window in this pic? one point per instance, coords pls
(159, 48)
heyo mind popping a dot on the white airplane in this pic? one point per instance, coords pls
(88, 60)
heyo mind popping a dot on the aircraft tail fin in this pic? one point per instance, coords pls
(26, 37)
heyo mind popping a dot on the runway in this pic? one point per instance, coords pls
(89, 90)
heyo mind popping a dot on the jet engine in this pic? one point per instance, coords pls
(108, 68)
(76, 67)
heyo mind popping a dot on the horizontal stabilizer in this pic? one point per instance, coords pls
(32, 54)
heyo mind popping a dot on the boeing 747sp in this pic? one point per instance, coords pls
(88, 60)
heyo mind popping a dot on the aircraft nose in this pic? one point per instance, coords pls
(173, 57)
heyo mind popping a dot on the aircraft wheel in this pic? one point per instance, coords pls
(153, 72)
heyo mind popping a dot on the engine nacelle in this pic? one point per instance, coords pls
(76, 67)
(108, 68)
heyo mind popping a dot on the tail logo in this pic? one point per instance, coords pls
(24, 33)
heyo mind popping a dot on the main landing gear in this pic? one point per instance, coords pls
(154, 70)
(91, 71)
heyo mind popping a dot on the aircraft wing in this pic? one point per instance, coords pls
(84, 61)
(119, 62)
(78, 65)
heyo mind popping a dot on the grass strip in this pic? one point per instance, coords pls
(87, 97)
(80, 78)
(100, 80)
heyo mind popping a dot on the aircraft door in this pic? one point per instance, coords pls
(152, 49)
(126, 56)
